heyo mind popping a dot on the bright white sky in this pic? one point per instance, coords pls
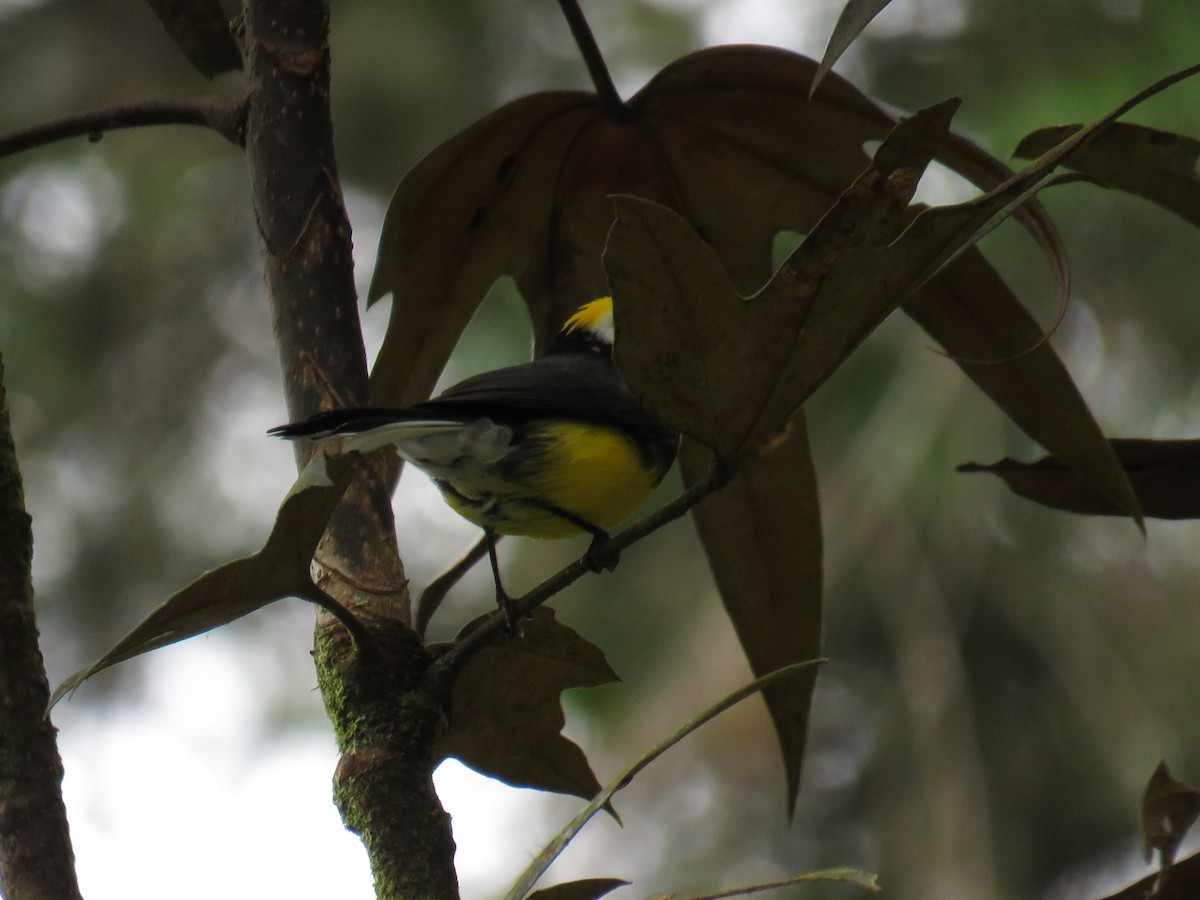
(180, 783)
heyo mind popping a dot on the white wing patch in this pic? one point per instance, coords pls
(443, 449)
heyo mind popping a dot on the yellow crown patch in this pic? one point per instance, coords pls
(594, 316)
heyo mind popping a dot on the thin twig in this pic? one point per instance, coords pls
(227, 120)
(558, 843)
(594, 60)
(441, 673)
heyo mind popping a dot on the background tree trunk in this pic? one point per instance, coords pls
(36, 859)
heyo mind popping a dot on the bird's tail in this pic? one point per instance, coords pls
(340, 421)
(433, 444)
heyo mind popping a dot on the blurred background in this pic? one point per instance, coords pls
(1003, 680)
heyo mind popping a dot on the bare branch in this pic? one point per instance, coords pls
(229, 121)
(439, 678)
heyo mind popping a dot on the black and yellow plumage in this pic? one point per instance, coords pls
(551, 448)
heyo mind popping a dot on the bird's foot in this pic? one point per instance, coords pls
(506, 612)
(598, 557)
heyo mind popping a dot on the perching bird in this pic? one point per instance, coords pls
(551, 448)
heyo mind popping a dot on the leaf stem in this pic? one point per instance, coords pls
(610, 100)
(364, 641)
(228, 121)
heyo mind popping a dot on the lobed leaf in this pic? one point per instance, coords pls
(506, 714)
(727, 136)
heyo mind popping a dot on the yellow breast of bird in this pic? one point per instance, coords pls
(595, 473)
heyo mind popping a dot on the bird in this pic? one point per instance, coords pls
(552, 448)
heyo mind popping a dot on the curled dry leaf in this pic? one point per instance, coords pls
(1158, 166)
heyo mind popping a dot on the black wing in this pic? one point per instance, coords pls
(569, 385)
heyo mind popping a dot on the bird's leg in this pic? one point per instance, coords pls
(502, 599)
(596, 557)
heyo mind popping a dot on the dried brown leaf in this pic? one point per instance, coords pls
(974, 315)
(506, 713)
(1165, 475)
(732, 371)
(726, 136)
(762, 536)
(1156, 165)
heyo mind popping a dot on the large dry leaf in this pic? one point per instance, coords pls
(280, 569)
(1156, 165)
(732, 371)
(762, 536)
(727, 136)
(1164, 474)
(506, 713)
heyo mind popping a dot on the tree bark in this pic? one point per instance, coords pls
(385, 727)
(36, 859)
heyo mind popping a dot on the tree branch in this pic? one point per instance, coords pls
(384, 727)
(228, 121)
(36, 859)
(610, 100)
(439, 677)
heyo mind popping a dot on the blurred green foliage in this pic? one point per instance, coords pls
(1003, 678)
